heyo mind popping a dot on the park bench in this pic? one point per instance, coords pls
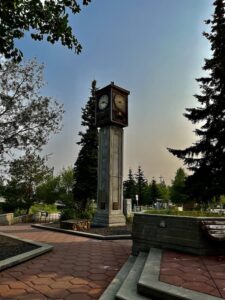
(214, 229)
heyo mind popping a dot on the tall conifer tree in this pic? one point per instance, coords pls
(178, 188)
(206, 158)
(154, 191)
(129, 187)
(85, 167)
(141, 186)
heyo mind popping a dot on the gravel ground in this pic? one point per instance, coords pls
(10, 247)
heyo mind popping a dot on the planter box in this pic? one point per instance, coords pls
(79, 225)
(173, 232)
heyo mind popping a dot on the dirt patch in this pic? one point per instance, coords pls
(105, 231)
(118, 230)
(10, 247)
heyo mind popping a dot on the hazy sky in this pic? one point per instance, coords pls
(155, 49)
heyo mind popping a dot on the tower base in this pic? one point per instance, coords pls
(104, 219)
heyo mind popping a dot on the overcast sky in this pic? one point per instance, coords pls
(155, 49)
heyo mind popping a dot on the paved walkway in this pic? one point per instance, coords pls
(205, 274)
(78, 268)
(81, 268)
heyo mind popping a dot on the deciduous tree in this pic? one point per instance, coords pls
(42, 19)
(26, 117)
(66, 185)
(57, 188)
(25, 174)
(48, 191)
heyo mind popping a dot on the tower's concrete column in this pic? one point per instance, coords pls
(110, 178)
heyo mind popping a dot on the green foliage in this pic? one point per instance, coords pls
(42, 19)
(70, 213)
(67, 214)
(192, 213)
(154, 192)
(85, 167)
(19, 212)
(222, 199)
(129, 219)
(147, 193)
(206, 157)
(141, 187)
(27, 118)
(26, 173)
(164, 191)
(129, 187)
(87, 214)
(48, 191)
(178, 189)
(58, 187)
(66, 187)
(49, 208)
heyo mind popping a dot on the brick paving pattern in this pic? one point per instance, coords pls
(78, 268)
(204, 274)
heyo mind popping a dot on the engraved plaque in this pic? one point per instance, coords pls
(115, 205)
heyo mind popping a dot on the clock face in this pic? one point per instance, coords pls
(103, 102)
(120, 103)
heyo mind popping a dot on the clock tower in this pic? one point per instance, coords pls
(111, 117)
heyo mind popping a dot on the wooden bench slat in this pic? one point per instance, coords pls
(219, 227)
(214, 222)
(214, 229)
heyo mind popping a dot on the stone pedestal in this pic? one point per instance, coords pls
(110, 177)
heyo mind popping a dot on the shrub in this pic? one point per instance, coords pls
(129, 219)
(68, 213)
(192, 213)
(49, 208)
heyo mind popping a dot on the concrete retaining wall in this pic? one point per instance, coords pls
(173, 232)
(6, 219)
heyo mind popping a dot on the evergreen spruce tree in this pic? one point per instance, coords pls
(163, 190)
(178, 189)
(129, 187)
(206, 158)
(154, 191)
(85, 168)
(141, 187)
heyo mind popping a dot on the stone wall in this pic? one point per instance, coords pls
(6, 219)
(172, 232)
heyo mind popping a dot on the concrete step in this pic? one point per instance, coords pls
(150, 285)
(128, 290)
(112, 289)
